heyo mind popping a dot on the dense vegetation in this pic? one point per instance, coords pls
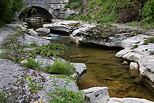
(113, 10)
(8, 8)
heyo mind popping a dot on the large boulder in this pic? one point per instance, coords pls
(96, 95)
(32, 32)
(64, 27)
(43, 31)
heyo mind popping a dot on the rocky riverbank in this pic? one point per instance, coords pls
(114, 35)
(132, 39)
(19, 82)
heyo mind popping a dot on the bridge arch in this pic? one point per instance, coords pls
(35, 11)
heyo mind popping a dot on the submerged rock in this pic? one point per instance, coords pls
(134, 69)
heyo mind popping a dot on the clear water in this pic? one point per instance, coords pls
(104, 69)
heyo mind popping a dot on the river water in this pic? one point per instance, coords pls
(103, 69)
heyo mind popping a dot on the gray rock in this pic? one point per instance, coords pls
(63, 26)
(128, 100)
(14, 81)
(80, 70)
(28, 39)
(135, 100)
(80, 67)
(134, 69)
(96, 94)
(32, 32)
(115, 100)
(43, 31)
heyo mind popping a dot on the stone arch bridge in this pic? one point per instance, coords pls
(55, 7)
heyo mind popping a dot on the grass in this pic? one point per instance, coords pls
(60, 67)
(33, 45)
(66, 96)
(149, 40)
(3, 98)
(4, 56)
(135, 46)
(31, 63)
(143, 25)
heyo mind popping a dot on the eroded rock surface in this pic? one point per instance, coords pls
(14, 81)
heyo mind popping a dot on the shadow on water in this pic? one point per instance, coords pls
(104, 69)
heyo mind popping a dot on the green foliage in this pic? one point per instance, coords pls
(54, 49)
(8, 8)
(105, 11)
(74, 4)
(31, 63)
(143, 25)
(12, 46)
(149, 40)
(33, 45)
(135, 46)
(4, 56)
(34, 86)
(3, 98)
(148, 11)
(60, 67)
(66, 96)
(62, 95)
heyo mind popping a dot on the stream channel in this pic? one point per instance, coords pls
(103, 69)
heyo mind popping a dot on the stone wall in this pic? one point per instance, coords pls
(55, 7)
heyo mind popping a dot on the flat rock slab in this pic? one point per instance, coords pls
(28, 39)
(128, 100)
(15, 83)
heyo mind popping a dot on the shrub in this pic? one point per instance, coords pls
(60, 67)
(149, 40)
(54, 49)
(31, 63)
(66, 96)
(3, 98)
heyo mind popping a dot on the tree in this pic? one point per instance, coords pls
(8, 8)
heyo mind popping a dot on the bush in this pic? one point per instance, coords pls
(8, 9)
(31, 63)
(60, 67)
(66, 96)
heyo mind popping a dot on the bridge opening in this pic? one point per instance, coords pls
(35, 14)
